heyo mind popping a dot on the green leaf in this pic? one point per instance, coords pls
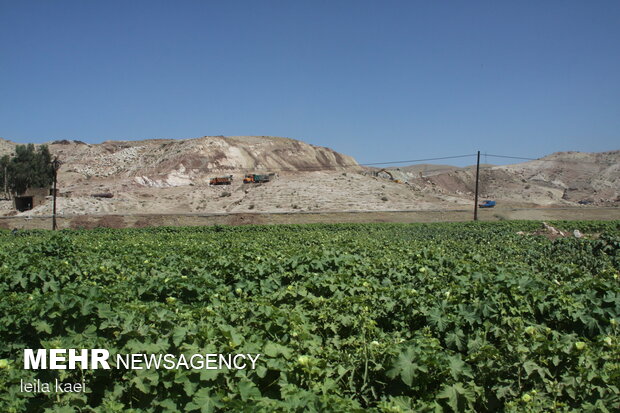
(189, 387)
(203, 401)
(43, 326)
(454, 394)
(209, 374)
(274, 350)
(451, 393)
(178, 334)
(437, 319)
(406, 368)
(63, 409)
(455, 339)
(248, 390)
(458, 367)
(529, 367)
(138, 381)
(168, 406)
(104, 311)
(261, 371)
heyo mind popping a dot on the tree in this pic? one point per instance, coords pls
(29, 168)
(4, 178)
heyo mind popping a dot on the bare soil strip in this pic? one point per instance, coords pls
(151, 220)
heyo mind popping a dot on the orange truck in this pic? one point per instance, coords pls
(256, 179)
(221, 180)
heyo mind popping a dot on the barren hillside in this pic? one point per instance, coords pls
(560, 179)
(172, 176)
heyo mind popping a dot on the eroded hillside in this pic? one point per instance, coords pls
(172, 176)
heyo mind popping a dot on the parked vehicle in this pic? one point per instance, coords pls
(221, 180)
(258, 179)
(487, 204)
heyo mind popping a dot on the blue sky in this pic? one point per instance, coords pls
(378, 80)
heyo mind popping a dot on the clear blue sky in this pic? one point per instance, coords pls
(378, 80)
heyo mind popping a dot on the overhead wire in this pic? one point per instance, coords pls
(551, 160)
(409, 161)
(418, 160)
(338, 167)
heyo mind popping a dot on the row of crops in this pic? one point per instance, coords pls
(360, 317)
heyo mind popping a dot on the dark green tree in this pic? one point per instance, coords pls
(4, 178)
(30, 168)
(43, 175)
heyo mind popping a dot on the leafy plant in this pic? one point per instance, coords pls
(349, 317)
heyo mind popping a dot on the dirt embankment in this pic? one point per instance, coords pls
(148, 220)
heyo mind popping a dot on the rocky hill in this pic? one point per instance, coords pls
(171, 162)
(172, 176)
(560, 179)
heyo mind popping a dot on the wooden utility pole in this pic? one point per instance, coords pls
(476, 196)
(56, 166)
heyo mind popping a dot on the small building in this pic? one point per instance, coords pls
(30, 198)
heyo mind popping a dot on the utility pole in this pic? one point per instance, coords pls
(56, 166)
(476, 196)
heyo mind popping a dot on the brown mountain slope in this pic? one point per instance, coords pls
(172, 176)
(562, 179)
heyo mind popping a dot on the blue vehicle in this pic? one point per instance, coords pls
(487, 204)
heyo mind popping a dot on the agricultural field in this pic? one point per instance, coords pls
(459, 317)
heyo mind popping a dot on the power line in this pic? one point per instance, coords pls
(409, 161)
(418, 160)
(335, 167)
(552, 160)
(232, 169)
(321, 168)
(511, 157)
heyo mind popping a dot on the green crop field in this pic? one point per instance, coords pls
(360, 317)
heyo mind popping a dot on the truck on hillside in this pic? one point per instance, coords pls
(257, 179)
(221, 180)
